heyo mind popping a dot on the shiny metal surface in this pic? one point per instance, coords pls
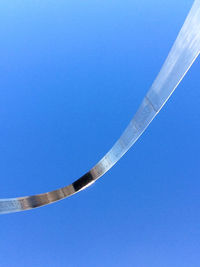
(183, 53)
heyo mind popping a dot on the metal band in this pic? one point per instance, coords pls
(183, 53)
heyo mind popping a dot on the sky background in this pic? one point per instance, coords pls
(72, 74)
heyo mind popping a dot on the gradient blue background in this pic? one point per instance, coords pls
(72, 74)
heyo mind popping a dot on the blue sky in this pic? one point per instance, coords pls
(72, 76)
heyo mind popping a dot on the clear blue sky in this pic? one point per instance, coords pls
(72, 74)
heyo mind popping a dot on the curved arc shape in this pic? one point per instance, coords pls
(182, 55)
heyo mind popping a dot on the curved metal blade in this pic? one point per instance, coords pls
(183, 53)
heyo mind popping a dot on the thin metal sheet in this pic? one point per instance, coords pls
(183, 53)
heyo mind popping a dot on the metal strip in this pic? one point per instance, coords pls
(182, 55)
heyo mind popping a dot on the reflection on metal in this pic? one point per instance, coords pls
(183, 53)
